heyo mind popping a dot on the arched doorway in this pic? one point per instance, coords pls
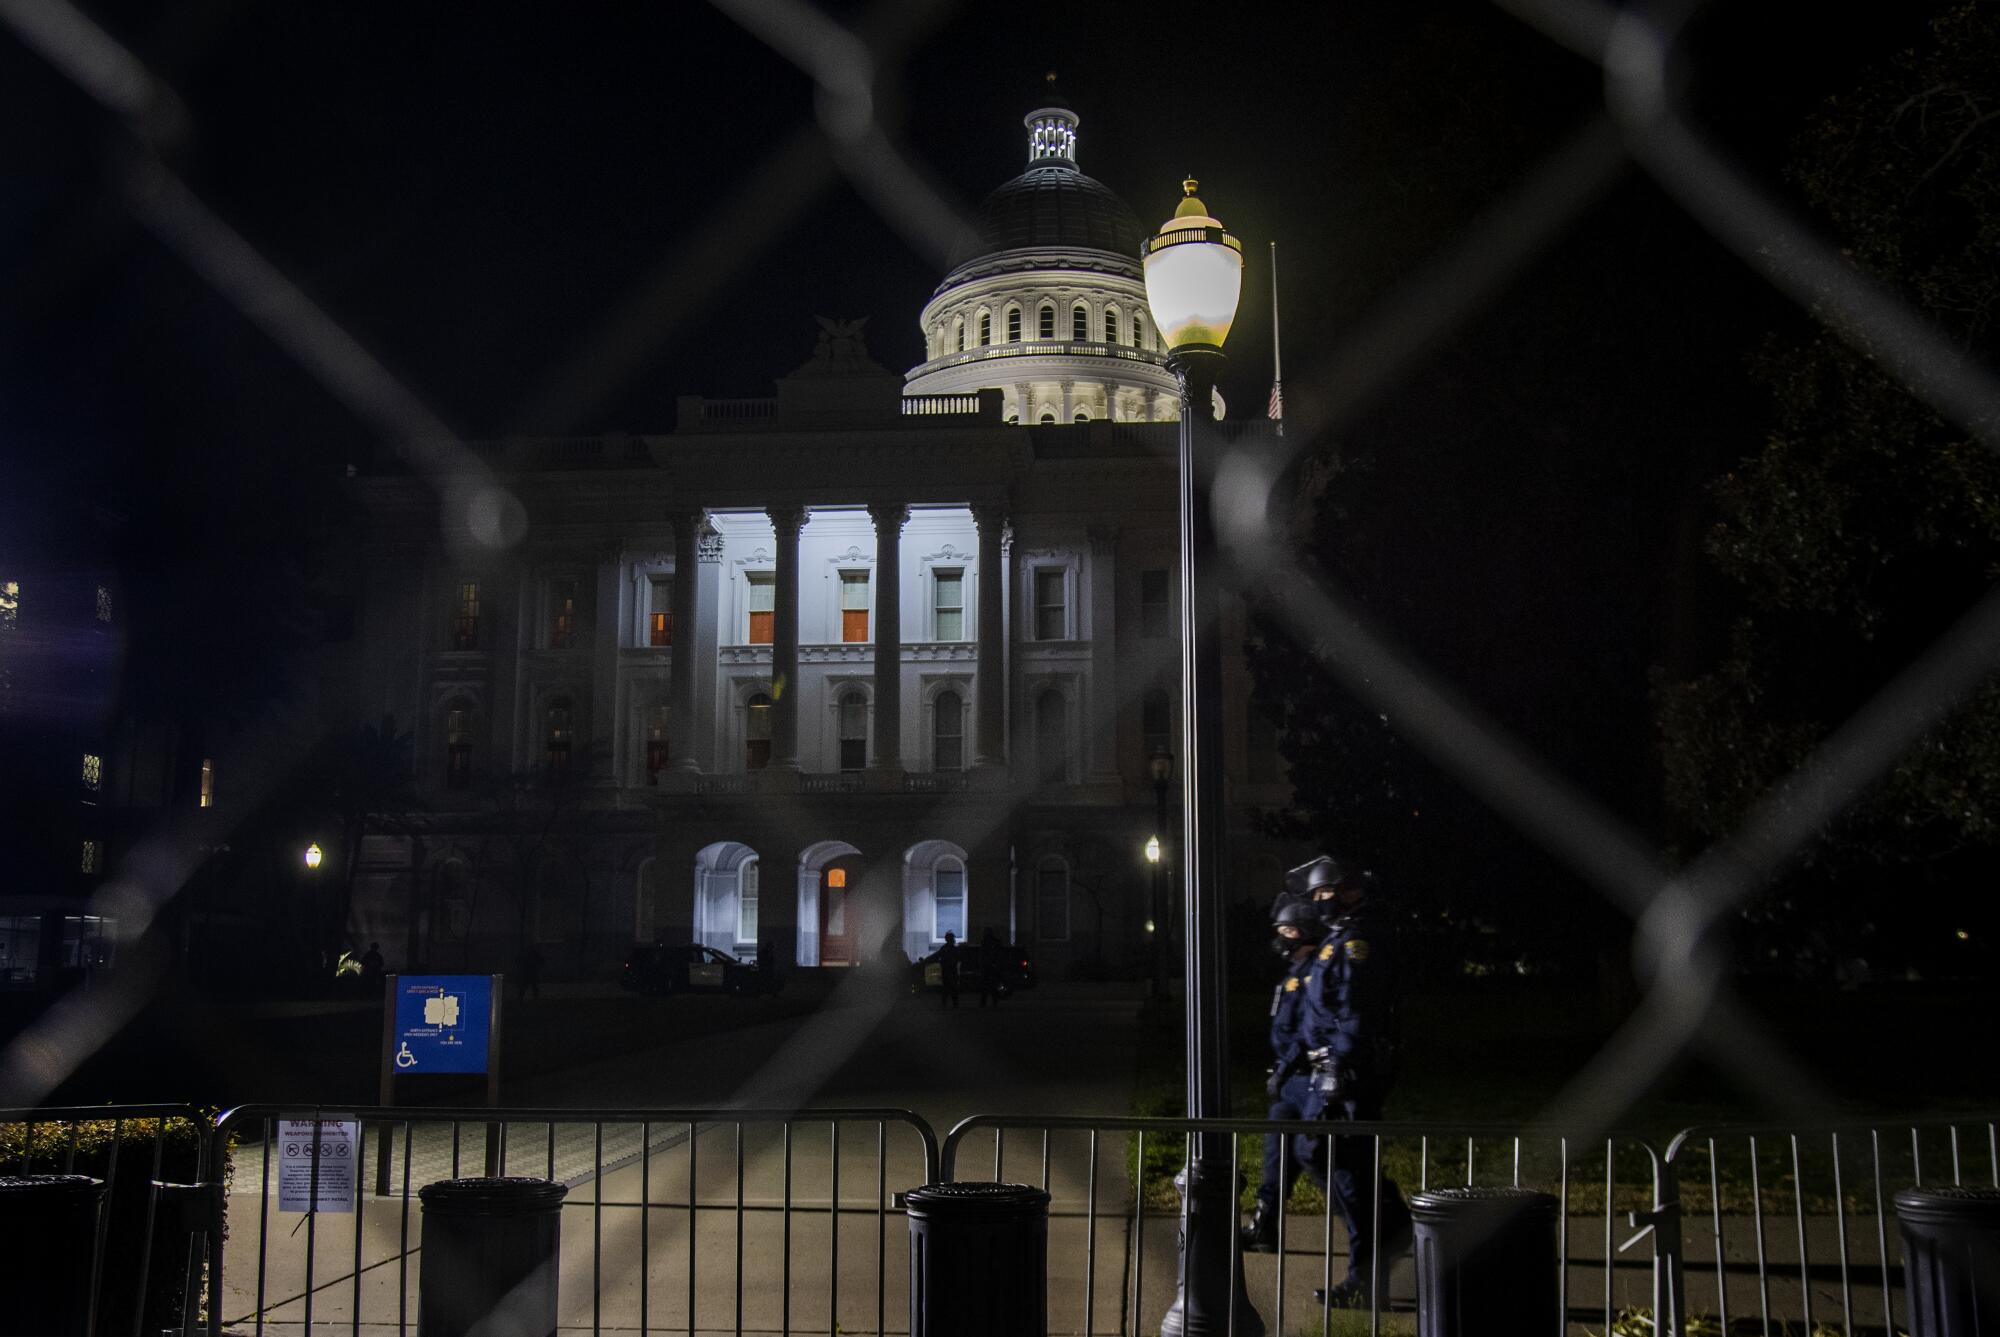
(726, 897)
(936, 897)
(830, 915)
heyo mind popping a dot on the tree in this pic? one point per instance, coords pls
(1866, 523)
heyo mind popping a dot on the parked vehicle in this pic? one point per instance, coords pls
(660, 968)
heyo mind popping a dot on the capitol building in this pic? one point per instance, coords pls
(822, 675)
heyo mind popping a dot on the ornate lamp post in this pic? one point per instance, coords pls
(1194, 275)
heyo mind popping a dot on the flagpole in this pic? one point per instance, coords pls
(1277, 408)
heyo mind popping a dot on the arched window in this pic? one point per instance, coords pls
(1052, 899)
(746, 903)
(658, 753)
(757, 733)
(948, 899)
(1083, 415)
(1111, 324)
(958, 331)
(1079, 323)
(458, 745)
(561, 734)
(1046, 321)
(948, 732)
(1135, 329)
(1013, 324)
(853, 731)
(985, 328)
(1051, 738)
(1048, 416)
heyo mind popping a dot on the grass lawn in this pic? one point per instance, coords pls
(1500, 1055)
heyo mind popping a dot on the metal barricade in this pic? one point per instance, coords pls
(1113, 1212)
(679, 1219)
(158, 1169)
(1799, 1218)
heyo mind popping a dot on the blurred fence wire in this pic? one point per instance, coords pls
(1643, 125)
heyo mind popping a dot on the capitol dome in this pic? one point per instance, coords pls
(1048, 304)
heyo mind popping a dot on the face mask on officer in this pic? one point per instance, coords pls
(1295, 927)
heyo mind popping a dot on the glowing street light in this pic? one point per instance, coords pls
(1152, 849)
(313, 855)
(1194, 276)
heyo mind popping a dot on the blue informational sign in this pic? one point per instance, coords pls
(442, 1023)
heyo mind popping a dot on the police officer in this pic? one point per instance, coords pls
(1349, 1035)
(1296, 930)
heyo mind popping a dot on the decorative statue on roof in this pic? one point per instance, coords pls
(842, 345)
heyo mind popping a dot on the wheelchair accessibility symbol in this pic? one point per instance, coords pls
(404, 1058)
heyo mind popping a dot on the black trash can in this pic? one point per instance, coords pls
(50, 1223)
(1951, 1260)
(979, 1257)
(1486, 1263)
(489, 1242)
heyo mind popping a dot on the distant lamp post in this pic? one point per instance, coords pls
(313, 856)
(1194, 276)
(1153, 853)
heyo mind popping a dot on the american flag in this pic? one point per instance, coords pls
(1276, 410)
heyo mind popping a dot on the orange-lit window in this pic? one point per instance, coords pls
(763, 607)
(562, 615)
(561, 733)
(854, 605)
(660, 617)
(465, 621)
(836, 878)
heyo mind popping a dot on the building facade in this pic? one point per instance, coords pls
(824, 675)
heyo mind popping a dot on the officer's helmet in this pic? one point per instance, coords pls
(1299, 914)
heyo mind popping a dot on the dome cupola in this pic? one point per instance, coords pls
(1046, 300)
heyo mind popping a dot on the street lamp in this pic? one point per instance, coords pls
(313, 856)
(1161, 765)
(1194, 275)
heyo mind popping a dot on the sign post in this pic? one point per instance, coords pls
(434, 1026)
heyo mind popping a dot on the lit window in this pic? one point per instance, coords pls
(465, 622)
(207, 799)
(949, 883)
(20, 948)
(1052, 900)
(10, 604)
(562, 615)
(853, 606)
(985, 328)
(660, 615)
(1014, 325)
(561, 733)
(948, 732)
(853, 731)
(93, 856)
(746, 903)
(89, 942)
(836, 878)
(1079, 324)
(757, 733)
(657, 752)
(1051, 610)
(458, 747)
(763, 606)
(93, 772)
(1110, 325)
(103, 603)
(1156, 609)
(948, 604)
(1046, 323)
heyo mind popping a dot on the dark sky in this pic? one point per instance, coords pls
(475, 192)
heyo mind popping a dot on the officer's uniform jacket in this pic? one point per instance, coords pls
(1349, 1008)
(1288, 1006)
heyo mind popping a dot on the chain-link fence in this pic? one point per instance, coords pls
(1688, 1007)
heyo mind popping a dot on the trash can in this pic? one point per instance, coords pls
(489, 1243)
(978, 1260)
(1486, 1263)
(1951, 1260)
(50, 1222)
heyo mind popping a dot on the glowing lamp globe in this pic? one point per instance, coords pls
(313, 855)
(1152, 849)
(1194, 276)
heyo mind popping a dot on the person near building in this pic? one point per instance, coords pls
(1349, 1036)
(1296, 931)
(371, 962)
(949, 958)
